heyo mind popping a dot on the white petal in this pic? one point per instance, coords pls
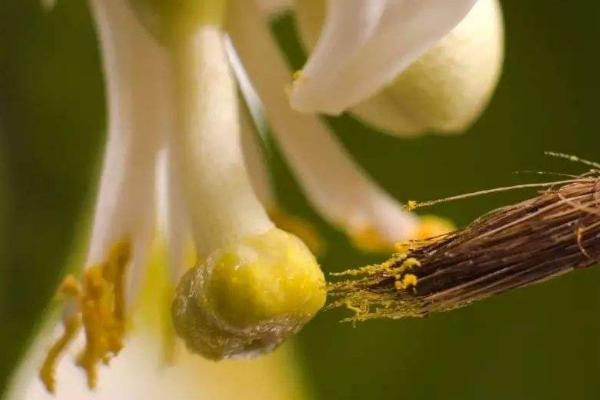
(336, 186)
(448, 87)
(388, 43)
(138, 81)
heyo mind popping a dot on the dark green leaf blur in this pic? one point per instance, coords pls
(537, 343)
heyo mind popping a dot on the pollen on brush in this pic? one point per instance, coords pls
(556, 232)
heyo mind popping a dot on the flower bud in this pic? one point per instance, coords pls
(446, 89)
(248, 297)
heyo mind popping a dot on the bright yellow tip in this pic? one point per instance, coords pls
(431, 226)
(408, 280)
(248, 297)
(370, 240)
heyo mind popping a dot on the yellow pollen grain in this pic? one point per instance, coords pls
(406, 265)
(70, 287)
(402, 247)
(71, 323)
(100, 304)
(96, 310)
(411, 205)
(410, 263)
(408, 280)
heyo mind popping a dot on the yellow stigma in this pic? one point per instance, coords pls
(99, 305)
(248, 297)
(171, 20)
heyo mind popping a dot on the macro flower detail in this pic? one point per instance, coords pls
(509, 248)
(174, 149)
(178, 117)
(410, 82)
(365, 44)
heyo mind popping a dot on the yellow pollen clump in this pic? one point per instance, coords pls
(403, 247)
(411, 205)
(410, 263)
(405, 280)
(71, 324)
(100, 306)
(408, 280)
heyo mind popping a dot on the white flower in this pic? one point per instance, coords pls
(174, 128)
(404, 66)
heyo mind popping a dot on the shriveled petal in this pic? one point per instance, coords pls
(336, 186)
(138, 82)
(386, 37)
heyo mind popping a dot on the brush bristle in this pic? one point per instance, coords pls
(553, 233)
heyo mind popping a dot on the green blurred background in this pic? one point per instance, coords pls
(540, 342)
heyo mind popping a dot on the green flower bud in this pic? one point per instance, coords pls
(247, 298)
